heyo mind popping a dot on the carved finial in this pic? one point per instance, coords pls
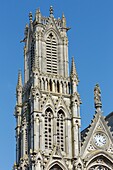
(30, 17)
(63, 21)
(97, 97)
(15, 166)
(31, 21)
(38, 16)
(38, 10)
(26, 30)
(51, 11)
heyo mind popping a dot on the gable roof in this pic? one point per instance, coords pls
(98, 124)
(109, 121)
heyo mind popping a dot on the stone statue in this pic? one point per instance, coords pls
(97, 96)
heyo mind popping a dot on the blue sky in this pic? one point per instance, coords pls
(90, 42)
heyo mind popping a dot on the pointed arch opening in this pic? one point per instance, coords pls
(56, 167)
(48, 128)
(100, 162)
(51, 53)
(32, 53)
(50, 85)
(61, 130)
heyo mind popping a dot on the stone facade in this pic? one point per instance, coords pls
(48, 106)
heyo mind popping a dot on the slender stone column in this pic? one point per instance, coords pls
(36, 134)
(69, 138)
(42, 139)
(54, 131)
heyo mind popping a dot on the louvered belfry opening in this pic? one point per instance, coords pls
(51, 54)
(60, 129)
(48, 128)
(32, 54)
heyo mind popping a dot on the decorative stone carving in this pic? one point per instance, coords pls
(97, 96)
(91, 148)
(99, 167)
(110, 149)
(99, 127)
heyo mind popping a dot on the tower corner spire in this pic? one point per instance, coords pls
(38, 16)
(63, 21)
(73, 70)
(19, 82)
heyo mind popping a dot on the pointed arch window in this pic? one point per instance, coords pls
(48, 128)
(51, 54)
(61, 130)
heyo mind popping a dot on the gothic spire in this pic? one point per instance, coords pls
(73, 68)
(19, 83)
(97, 97)
(73, 77)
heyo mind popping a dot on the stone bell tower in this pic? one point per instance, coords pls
(48, 104)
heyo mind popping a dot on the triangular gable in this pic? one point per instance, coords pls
(98, 136)
(52, 25)
(39, 156)
(35, 92)
(61, 104)
(48, 102)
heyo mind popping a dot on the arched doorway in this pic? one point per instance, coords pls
(56, 167)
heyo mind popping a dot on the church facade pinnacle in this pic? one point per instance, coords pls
(47, 111)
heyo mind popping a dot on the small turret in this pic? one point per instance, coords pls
(38, 16)
(19, 89)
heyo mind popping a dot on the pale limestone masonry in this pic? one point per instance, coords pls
(48, 106)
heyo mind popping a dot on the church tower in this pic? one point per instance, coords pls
(47, 110)
(48, 104)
